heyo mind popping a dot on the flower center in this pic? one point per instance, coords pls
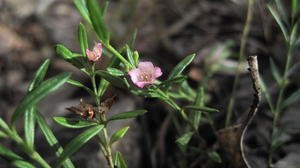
(145, 77)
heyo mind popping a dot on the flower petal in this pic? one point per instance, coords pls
(142, 84)
(157, 72)
(146, 66)
(134, 74)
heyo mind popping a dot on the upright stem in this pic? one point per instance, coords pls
(277, 110)
(104, 142)
(241, 57)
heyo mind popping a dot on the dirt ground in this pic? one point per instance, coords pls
(168, 31)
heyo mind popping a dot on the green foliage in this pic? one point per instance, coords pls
(97, 19)
(78, 142)
(82, 38)
(119, 134)
(214, 156)
(51, 139)
(119, 161)
(39, 93)
(73, 123)
(22, 164)
(179, 68)
(114, 80)
(185, 138)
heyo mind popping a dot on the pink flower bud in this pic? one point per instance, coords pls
(95, 54)
(145, 74)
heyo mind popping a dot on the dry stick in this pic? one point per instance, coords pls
(241, 56)
(253, 69)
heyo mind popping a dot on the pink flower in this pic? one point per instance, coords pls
(95, 54)
(145, 74)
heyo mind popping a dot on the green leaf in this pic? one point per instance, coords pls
(63, 52)
(116, 81)
(39, 93)
(129, 55)
(119, 160)
(136, 57)
(181, 66)
(214, 156)
(51, 139)
(82, 37)
(104, 8)
(266, 93)
(39, 75)
(119, 134)
(73, 123)
(78, 142)
(199, 101)
(279, 22)
(291, 99)
(22, 164)
(97, 20)
(177, 79)
(7, 153)
(78, 84)
(115, 71)
(199, 108)
(29, 126)
(275, 72)
(133, 38)
(3, 135)
(281, 11)
(81, 6)
(185, 138)
(295, 7)
(4, 126)
(126, 115)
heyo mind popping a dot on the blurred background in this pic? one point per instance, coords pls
(168, 31)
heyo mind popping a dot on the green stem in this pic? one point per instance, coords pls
(117, 54)
(28, 150)
(277, 110)
(241, 58)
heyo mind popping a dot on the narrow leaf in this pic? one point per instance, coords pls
(29, 126)
(22, 164)
(199, 101)
(129, 54)
(214, 156)
(275, 72)
(185, 138)
(81, 6)
(133, 38)
(78, 142)
(7, 153)
(291, 99)
(119, 134)
(63, 52)
(39, 93)
(177, 79)
(281, 11)
(78, 84)
(116, 81)
(181, 66)
(115, 71)
(82, 37)
(126, 115)
(4, 126)
(119, 160)
(97, 20)
(73, 123)
(199, 108)
(39, 75)
(51, 139)
(279, 22)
